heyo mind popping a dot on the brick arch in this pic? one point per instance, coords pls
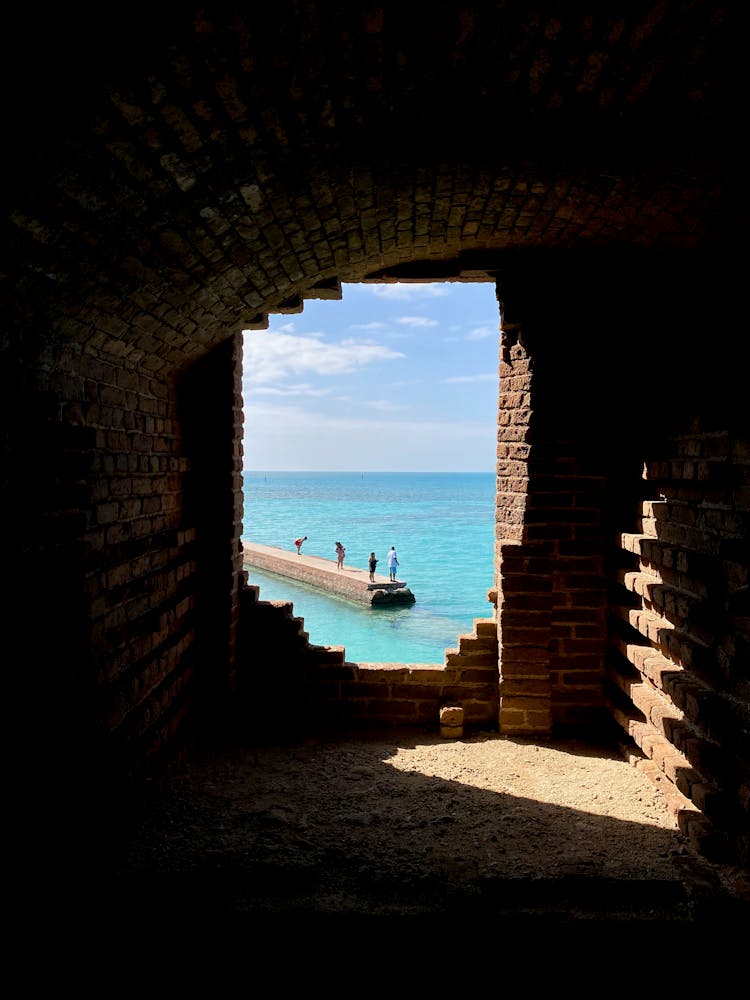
(236, 161)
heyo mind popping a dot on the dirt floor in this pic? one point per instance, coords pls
(416, 827)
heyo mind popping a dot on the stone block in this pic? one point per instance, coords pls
(451, 722)
(451, 732)
(451, 715)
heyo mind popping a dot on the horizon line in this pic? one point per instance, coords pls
(408, 472)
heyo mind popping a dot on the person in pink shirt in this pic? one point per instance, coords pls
(340, 553)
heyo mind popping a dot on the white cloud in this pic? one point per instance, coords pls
(481, 332)
(296, 419)
(482, 377)
(286, 391)
(406, 291)
(271, 357)
(375, 325)
(279, 437)
(385, 405)
(417, 321)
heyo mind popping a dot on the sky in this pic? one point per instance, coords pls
(390, 378)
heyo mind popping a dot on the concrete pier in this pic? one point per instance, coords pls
(350, 582)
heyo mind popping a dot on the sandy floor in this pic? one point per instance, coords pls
(414, 827)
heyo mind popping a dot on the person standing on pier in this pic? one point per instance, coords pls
(298, 542)
(392, 563)
(372, 564)
(340, 553)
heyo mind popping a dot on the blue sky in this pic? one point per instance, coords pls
(390, 378)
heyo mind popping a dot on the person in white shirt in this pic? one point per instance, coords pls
(392, 562)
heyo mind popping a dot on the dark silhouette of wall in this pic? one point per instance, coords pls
(174, 176)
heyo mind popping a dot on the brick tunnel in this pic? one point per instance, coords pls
(175, 177)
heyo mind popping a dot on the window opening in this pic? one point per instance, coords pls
(373, 421)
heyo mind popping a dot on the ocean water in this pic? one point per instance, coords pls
(442, 525)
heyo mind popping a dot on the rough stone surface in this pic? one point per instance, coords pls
(351, 582)
(413, 828)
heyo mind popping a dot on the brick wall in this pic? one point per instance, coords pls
(285, 685)
(132, 516)
(680, 643)
(553, 466)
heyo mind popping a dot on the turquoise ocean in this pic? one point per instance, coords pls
(442, 525)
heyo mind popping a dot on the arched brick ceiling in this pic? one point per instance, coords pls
(204, 165)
